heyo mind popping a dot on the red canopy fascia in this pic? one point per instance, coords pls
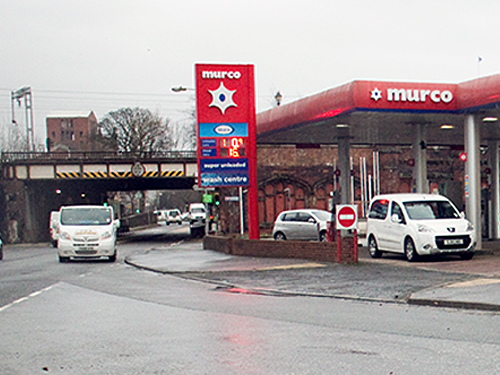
(481, 92)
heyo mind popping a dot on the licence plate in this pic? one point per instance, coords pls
(454, 242)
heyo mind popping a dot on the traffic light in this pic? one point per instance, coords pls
(217, 199)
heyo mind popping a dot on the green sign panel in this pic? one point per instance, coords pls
(207, 198)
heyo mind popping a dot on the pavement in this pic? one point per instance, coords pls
(437, 281)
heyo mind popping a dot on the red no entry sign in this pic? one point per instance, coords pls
(347, 217)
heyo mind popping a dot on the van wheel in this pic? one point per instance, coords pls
(112, 258)
(373, 248)
(410, 251)
(63, 259)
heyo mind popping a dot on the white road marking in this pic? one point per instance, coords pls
(34, 294)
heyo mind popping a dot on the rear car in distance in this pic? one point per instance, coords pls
(54, 227)
(173, 216)
(302, 224)
(418, 224)
(87, 232)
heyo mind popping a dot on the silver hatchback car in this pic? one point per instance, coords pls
(304, 224)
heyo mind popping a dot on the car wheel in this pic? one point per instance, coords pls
(323, 237)
(279, 237)
(112, 258)
(373, 248)
(467, 256)
(410, 251)
(63, 259)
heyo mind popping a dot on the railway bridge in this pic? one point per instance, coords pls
(34, 183)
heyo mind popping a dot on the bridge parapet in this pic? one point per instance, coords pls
(91, 165)
(51, 157)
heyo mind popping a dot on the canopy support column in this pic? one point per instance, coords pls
(420, 157)
(494, 186)
(344, 164)
(472, 175)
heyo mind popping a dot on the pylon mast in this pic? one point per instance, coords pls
(25, 92)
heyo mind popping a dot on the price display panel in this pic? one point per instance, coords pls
(232, 147)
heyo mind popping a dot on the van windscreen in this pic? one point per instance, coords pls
(86, 216)
(430, 210)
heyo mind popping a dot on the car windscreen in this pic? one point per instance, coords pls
(430, 210)
(86, 216)
(323, 215)
(198, 211)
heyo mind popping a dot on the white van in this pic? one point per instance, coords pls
(87, 232)
(54, 227)
(418, 224)
(197, 212)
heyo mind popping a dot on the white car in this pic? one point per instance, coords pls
(173, 216)
(418, 224)
(303, 224)
(54, 227)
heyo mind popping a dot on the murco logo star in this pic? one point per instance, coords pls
(222, 98)
(376, 94)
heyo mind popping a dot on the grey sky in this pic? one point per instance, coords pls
(103, 55)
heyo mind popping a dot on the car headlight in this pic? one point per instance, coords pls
(65, 235)
(105, 235)
(423, 228)
(470, 227)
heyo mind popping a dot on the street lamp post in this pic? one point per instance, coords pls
(181, 89)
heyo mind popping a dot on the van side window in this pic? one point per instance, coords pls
(379, 209)
(396, 210)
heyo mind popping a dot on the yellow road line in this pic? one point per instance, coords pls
(293, 266)
(475, 282)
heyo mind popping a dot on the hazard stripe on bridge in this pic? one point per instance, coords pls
(68, 175)
(97, 175)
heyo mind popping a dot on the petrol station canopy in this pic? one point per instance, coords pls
(382, 113)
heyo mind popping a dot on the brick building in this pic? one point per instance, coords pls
(295, 177)
(71, 131)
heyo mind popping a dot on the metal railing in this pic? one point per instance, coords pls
(6, 157)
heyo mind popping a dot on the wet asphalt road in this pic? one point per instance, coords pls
(390, 279)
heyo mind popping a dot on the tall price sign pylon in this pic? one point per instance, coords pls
(226, 131)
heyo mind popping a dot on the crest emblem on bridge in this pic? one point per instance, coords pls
(138, 169)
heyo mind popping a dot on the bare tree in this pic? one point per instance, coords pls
(183, 134)
(134, 130)
(12, 138)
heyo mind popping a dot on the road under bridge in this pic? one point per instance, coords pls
(34, 184)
